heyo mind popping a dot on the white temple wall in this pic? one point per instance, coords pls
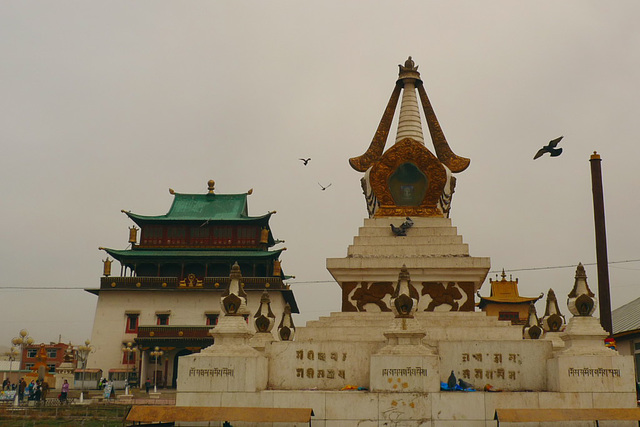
(187, 307)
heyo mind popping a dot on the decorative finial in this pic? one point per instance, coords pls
(171, 191)
(234, 299)
(250, 192)
(553, 320)
(211, 183)
(264, 319)
(581, 301)
(532, 329)
(409, 66)
(286, 329)
(503, 274)
(595, 156)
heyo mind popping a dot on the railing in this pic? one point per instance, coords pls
(172, 331)
(252, 283)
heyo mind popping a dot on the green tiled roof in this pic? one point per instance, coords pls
(203, 207)
(128, 254)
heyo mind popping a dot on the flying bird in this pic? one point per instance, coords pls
(305, 161)
(550, 148)
(324, 187)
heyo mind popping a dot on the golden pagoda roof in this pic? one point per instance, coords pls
(505, 292)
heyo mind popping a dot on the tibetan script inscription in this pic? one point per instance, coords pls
(323, 364)
(482, 372)
(593, 372)
(404, 372)
(215, 372)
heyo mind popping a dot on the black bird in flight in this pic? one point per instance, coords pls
(550, 148)
(324, 187)
(305, 161)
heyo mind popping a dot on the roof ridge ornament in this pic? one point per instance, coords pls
(211, 185)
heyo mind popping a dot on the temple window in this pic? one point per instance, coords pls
(51, 368)
(212, 318)
(636, 355)
(508, 315)
(132, 323)
(408, 185)
(151, 235)
(199, 236)
(176, 236)
(128, 357)
(29, 366)
(247, 235)
(32, 352)
(162, 318)
(222, 235)
(52, 353)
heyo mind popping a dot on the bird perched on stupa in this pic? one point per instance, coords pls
(451, 382)
(550, 148)
(465, 385)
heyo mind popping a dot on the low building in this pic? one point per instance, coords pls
(626, 332)
(55, 356)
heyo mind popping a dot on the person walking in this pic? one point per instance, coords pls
(64, 391)
(21, 388)
(37, 392)
(147, 385)
(45, 391)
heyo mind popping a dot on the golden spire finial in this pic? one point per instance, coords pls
(409, 69)
(211, 184)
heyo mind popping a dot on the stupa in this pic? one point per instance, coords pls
(408, 328)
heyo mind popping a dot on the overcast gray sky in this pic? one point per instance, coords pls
(105, 105)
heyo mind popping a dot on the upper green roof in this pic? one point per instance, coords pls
(203, 207)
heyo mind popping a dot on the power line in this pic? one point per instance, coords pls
(560, 266)
(310, 282)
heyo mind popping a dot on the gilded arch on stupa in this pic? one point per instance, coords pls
(408, 179)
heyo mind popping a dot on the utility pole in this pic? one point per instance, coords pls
(604, 290)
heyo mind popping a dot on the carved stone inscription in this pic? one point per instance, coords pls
(515, 365)
(327, 370)
(323, 366)
(593, 372)
(215, 372)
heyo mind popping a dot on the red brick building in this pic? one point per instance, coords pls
(55, 355)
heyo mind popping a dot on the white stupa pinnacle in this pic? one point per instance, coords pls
(409, 122)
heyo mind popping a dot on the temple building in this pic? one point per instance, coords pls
(505, 301)
(167, 295)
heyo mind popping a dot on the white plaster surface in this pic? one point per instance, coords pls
(404, 373)
(354, 408)
(432, 251)
(322, 365)
(508, 365)
(590, 373)
(205, 372)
